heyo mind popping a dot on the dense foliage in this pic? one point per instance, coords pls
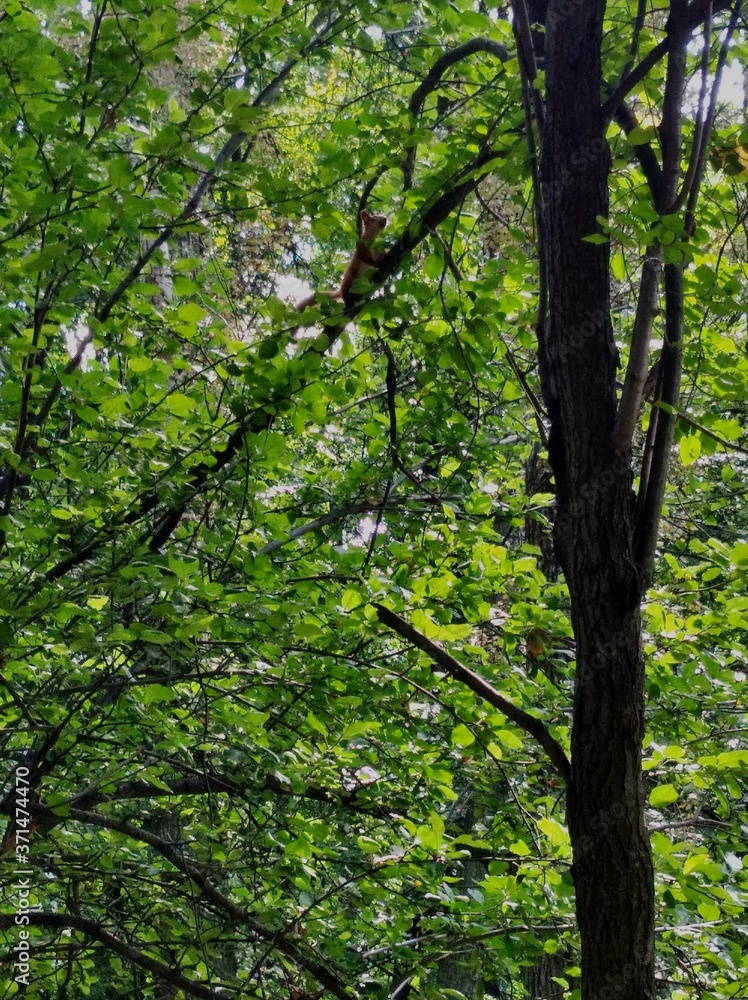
(242, 781)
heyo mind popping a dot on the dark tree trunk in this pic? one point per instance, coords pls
(594, 525)
(540, 980)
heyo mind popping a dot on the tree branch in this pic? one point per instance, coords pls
(659, 444)
(638, 364)
(102, 313)
(696, 13)
(432, 81)
(528, 61)
(262, 418)
(698, 175)
(529, 723)
(653, 478)
(174, 855)
(729, 445)
(93, 929)
(646, 156)
(194, 784)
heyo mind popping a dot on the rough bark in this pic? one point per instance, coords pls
(593, 532)
(461, 970)
(541, 979)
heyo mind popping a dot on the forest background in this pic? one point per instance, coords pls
(400, 654)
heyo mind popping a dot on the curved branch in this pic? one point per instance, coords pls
(432, 81)
(645, 154)
(529, 723)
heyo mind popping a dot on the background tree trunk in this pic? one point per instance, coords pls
(540, 979)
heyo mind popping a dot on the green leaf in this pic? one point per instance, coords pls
(640, 136)
(431, 836)
(433, 266)
(314, 723)
(663, 795)
(354, 729)
(597, 238)
(689, 449)
(351, 599)
(179, 404)
(618, 266)
(462, 737)
(556, 834)
(153, 693)
(520, 847)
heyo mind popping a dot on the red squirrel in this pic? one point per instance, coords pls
(363, 259)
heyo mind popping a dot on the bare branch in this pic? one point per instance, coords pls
(638, 364)
(529, 723)
(432, 81)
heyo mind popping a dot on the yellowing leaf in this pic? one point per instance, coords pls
(689, 449)
(662, 795)
(553, 830)
(461, 736)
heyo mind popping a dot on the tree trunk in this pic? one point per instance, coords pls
(541, 979)
(594, 526)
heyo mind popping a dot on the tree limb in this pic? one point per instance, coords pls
(638, 364)
(528, 61)
(432, 81)
(644, 152)
(93, 929)
(264, 414)
(175, 856)
(529, 723)
(698, 174)
(656, 462)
